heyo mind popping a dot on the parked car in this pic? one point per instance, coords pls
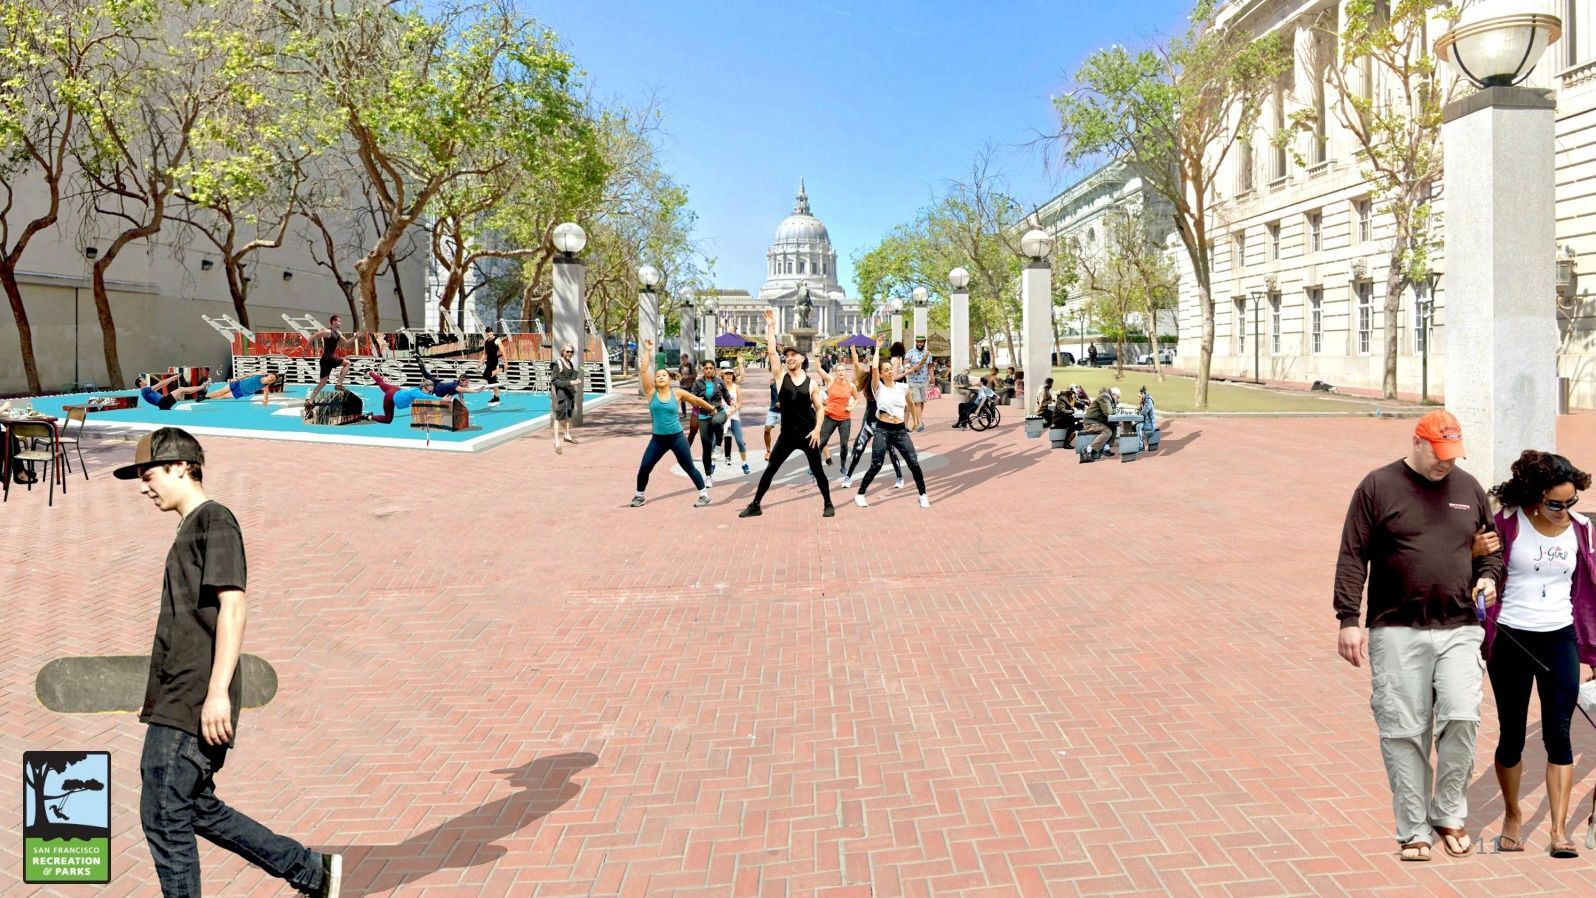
(1166, 356)
(1106, 355)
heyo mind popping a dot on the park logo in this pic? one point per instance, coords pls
(66, 816)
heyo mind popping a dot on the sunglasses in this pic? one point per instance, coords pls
(1555, 505)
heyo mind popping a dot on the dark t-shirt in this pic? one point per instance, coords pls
(1412, 538)
(490, 350)
(206, 557)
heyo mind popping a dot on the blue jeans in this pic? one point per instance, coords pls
(178, 801)
(660, 445)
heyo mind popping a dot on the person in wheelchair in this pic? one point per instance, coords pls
(982, 396)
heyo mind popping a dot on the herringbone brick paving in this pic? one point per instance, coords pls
(496, 679)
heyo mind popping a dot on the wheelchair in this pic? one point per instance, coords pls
(987, 415)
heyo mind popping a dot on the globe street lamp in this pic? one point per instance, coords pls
(648, 329)
(1036, 321)
(1500, 51)
(569, 238)
(959, 318)
(710, 331)
(921, 325)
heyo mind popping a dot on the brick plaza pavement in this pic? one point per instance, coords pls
(497, 680)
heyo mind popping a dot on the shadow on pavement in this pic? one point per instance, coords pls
(467, 840)
(1170, 447)
(1485, 795)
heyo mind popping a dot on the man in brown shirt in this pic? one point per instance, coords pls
(1411, 531)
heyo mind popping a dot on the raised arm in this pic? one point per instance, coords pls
(645, 363)
(771, 357)
(684, 396)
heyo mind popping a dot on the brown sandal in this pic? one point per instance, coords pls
(1457, 835)
(1416, 851)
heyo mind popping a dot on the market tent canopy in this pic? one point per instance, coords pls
(859, 340)
(730, 340)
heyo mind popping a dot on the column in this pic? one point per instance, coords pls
(1501, 325)
(570, 319)
(1036, 291)
(647, 329)
(897, 325)
(959, 323)
(922, 321)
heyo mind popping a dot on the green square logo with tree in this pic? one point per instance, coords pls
(66, 816)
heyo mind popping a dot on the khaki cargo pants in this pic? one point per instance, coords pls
(1426, 681)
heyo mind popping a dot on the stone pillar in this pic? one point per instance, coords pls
(1036, 292)
(922, 321)
(897, 326)
(689, 335)
(570, 316)
(1501, 252)
(959, 322)
(647, 329)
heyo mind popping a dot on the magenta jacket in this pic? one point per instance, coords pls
(1584, 586)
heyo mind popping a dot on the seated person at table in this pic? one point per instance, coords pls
(1004, 385)
(1148, 425)
(1096, 423)
(966, 409)
(244, 387)
(1044, 403)
(156, 394)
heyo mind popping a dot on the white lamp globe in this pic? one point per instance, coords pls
(649, 276)
(919, 296)
(1036, 243)
(569, 238)
(959, 278)
(1499, 44)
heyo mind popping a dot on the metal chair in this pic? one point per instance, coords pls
(69, 439)
(30, 433)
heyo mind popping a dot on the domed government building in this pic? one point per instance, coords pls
(800, 260)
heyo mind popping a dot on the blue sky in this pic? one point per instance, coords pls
(877, 105)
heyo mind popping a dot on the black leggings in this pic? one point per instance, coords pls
(661, 444)
(785, 446)
(888, 439)
(708, 438)
(867, 432)
(1512, 669)
(830, 425)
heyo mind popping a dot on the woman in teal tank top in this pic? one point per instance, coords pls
(667, 436)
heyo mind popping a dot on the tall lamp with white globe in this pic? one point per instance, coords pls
(570, 303)
(959, 319)
(1500, 51)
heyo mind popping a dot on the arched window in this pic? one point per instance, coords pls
(802, 267)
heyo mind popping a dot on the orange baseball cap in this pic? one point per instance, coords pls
(1443, 431)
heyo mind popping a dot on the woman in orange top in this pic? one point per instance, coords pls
(840, 399)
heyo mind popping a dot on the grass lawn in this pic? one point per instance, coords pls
(1174, 394)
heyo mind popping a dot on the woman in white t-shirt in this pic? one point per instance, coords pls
(1538, 634)
(892, 409)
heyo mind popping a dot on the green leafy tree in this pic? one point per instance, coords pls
(1389, 92)
(1174, 112)
(58, 59)
(432, 101)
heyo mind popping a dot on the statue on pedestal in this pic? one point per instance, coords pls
(804, 307)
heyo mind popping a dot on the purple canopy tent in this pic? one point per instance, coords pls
(859, 340)
(731, 341)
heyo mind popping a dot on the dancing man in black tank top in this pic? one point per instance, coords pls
(331, 341)
(798, 396)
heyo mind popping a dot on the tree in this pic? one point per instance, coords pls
(253, 153)
(141, 125)
(52, 60)
(1389, 95)
(1173, 113)
(37, 771)
(432, 104)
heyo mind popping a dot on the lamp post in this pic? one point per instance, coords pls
(1036, 300)
(922, 324)
(570, 301)
(959, 318)
(1080, 330)
(648, 329)
(1257, 297)
(710, 330)
(896, 305)
(689, 327)
(1501, 333)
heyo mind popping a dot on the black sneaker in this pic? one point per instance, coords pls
(332, 876)
(830, 512)
(752, 511)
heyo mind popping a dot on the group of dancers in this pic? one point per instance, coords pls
(806, 409)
